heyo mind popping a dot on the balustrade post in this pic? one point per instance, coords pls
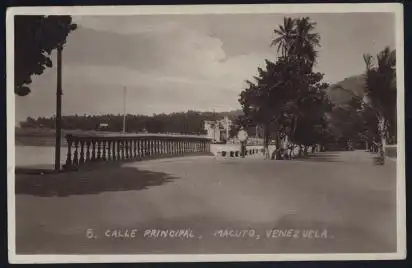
(93, 150)
(145, 144)
(88, 143)
(161, 147)
(104, 150)
(131, 149)
(76, 153)
(109, 150)
(118, 155)
(126, 149)
(123, 146)
(98, 142)
(134, 148)
(114, 152)
(69, 139)
(158, 147)
(81, 151)
(143, 148)
(140, 147)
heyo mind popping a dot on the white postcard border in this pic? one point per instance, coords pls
(395, 8)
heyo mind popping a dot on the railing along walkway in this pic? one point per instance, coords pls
(92, 148)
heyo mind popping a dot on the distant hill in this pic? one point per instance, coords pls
(353, 83)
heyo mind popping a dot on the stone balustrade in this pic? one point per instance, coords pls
(85, 149)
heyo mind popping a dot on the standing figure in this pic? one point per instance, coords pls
(242, 136)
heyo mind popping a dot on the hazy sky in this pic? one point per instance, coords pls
(180, 62)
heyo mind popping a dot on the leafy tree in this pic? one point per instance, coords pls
(268, 98)
(279, 97)
(190, 122)
(311, 122)
(35, 38)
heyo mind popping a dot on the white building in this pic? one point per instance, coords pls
(218, 130)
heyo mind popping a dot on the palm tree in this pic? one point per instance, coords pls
(285, 36)
(306, 40)
(381, 89)
(295, 38)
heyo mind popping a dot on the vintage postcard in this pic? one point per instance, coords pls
(206, 133)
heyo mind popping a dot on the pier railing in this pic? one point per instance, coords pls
(87, 149)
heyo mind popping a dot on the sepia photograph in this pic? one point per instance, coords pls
(206, 133)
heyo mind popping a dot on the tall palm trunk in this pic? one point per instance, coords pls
(278, 141)
(382, 133)
(266, 141)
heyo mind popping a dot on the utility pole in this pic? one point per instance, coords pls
(59, 93)
(124, 109)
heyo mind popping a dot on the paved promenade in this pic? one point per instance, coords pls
(331, 202)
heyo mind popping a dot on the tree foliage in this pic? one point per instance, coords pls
(380, 85)
(287, 97)
(296, 38)
(35, 38)
(191, 122)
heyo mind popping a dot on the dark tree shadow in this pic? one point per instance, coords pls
(92, 181)
(320, 157)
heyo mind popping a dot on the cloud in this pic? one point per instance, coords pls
(192, 71)
(176, 63)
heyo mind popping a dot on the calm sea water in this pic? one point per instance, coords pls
(37, 155)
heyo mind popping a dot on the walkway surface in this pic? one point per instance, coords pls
(331, 202)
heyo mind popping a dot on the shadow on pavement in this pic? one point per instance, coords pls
(321, 157)
(112, 178)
